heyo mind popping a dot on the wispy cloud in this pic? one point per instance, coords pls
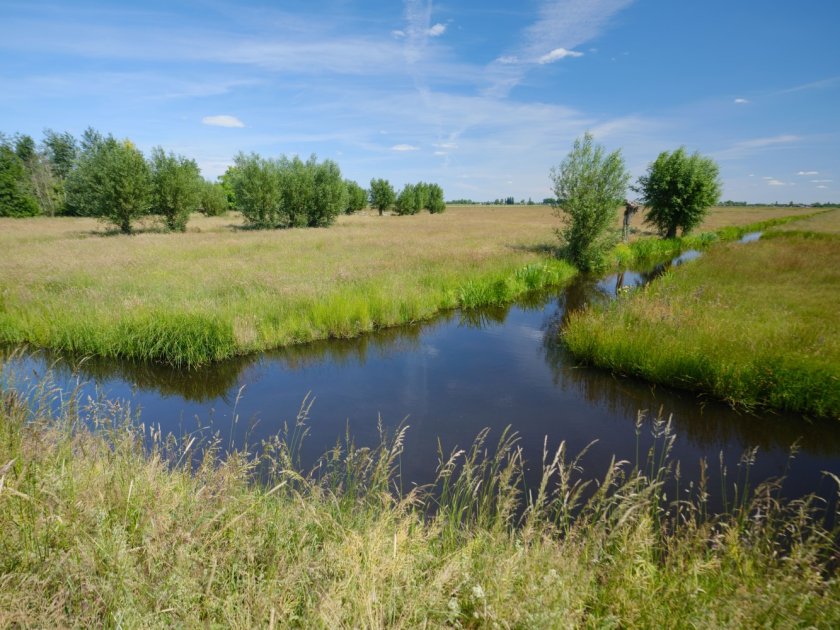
(821, 181)
(808, 173)
(741, 101)
(403, 147)
(748, 147)
(222, 120)
(822, 186)
(561, 27)
(557, 54)
(776, 182)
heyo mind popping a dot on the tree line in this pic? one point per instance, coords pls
(101, 176)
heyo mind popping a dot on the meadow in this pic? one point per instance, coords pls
(754, 325)
(125, 527)
(220, 290)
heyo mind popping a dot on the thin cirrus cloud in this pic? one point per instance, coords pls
(808, 173)
(741, 101)
(223, 120)
(402, 148)
(437, 30)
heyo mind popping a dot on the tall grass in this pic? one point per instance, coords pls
(752, 325)
(123, 526)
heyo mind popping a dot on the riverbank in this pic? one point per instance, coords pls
(755, 325)
(125, 527)
(219, 291)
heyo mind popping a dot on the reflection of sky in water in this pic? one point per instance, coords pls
(449, 379)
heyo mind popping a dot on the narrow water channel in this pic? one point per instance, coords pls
(447, 380)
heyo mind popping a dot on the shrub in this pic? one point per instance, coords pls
(356, 197)
(177, 188)
(213, 200)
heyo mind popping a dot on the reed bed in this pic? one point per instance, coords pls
(106, 522)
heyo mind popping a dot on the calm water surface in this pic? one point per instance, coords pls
(450, 378)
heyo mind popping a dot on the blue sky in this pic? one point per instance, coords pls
(483, 97)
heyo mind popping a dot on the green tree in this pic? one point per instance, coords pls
(408, 201)
(678, 190)
(329, 194)
(111, 181)
(176, 187)
(382, 195)
(435, 203)
(593, 185)
(257, 191)
(16, 198)
(61, 150)
(356, 197)
(213, 201)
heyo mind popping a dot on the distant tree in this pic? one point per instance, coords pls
(176, 187)
(382, 195)
(16, 198)
(407, 201)
(47, 188)
(111, 181)
(549, 201)
(213, 201)
(434, 201)
(60, 149)
(24, 147)
(678, 190)
(78, 188)
(593, 185)
(257, 191)
(356, 197)
(329, 196)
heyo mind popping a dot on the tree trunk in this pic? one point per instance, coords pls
(672, 232)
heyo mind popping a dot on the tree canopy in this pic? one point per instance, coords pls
(678, 190)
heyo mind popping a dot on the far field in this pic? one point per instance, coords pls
(753, 324)
(219, 290)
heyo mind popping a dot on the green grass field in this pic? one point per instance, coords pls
(755, 325)
(99, 530)
(219, 290)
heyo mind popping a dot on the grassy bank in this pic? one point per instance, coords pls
(754, 325)
(98, 530)
(219, 291)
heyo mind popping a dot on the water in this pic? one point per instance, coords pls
(450, 378)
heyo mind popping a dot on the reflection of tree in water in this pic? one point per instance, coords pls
(197, 385)
(707, 423)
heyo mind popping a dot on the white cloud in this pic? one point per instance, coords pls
(398, 34)
(557, 54)
(775, 182)
(822, 186)
(821, 181)
(808, 173)
(446, 145)
(766, 177)
(507, 59)
(222, 121)
(741, 101)
(437, 30)
(403, 147)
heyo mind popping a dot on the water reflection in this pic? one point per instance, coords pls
(452, 377)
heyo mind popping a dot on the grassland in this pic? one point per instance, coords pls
(220, 290)
(754, 325)
(99, 529)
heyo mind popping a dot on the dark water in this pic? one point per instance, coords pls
(450, 378)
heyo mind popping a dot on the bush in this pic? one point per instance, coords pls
(16, 198)
(213, 200)
(356, 197)
(287, 193)
(592, 186)
(177, 188)
(111, 181)
(408, 201)
(382, 195)
(679, 189)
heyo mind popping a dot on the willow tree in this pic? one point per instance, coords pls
(591, 185)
